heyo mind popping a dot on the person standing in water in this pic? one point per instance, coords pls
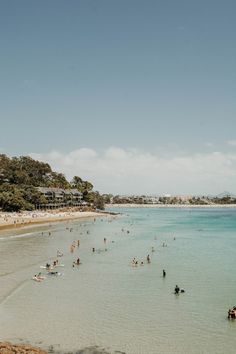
(164, 273)
(148, 259)
(177, 289)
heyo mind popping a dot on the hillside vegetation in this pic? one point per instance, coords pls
(19, 177)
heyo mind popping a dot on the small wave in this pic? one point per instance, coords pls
(13, 291)
(17, 236)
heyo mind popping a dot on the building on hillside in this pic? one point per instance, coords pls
(58, 197)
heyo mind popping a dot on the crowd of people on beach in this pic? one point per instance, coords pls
(23, 218)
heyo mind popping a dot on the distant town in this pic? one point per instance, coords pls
(223, 198)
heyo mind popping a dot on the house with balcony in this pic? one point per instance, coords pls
(58, 197)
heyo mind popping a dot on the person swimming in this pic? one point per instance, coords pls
(77, 262)
(59, 254)
(53, 273)
(39, 276)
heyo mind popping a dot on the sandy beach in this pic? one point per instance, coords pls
(18, 220)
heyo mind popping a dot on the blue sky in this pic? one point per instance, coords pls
(154, 77)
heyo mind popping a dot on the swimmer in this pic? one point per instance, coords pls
(40, 277)
(36, 278)
(59, 254)
(53, 273)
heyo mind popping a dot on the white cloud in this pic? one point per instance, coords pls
(128, 171)
(209, 144)
(231, 142)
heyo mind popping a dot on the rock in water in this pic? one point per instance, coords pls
(8, 348)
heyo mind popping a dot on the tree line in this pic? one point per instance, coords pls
(19, 177)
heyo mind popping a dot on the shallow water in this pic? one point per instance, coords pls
(111, 306)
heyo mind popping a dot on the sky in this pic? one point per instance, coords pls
(136, 96)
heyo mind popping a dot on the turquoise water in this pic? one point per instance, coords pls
(110, 304)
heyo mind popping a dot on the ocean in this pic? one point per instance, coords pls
(107, 305)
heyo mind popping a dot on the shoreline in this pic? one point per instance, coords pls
(181, 206)
(22, 220)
